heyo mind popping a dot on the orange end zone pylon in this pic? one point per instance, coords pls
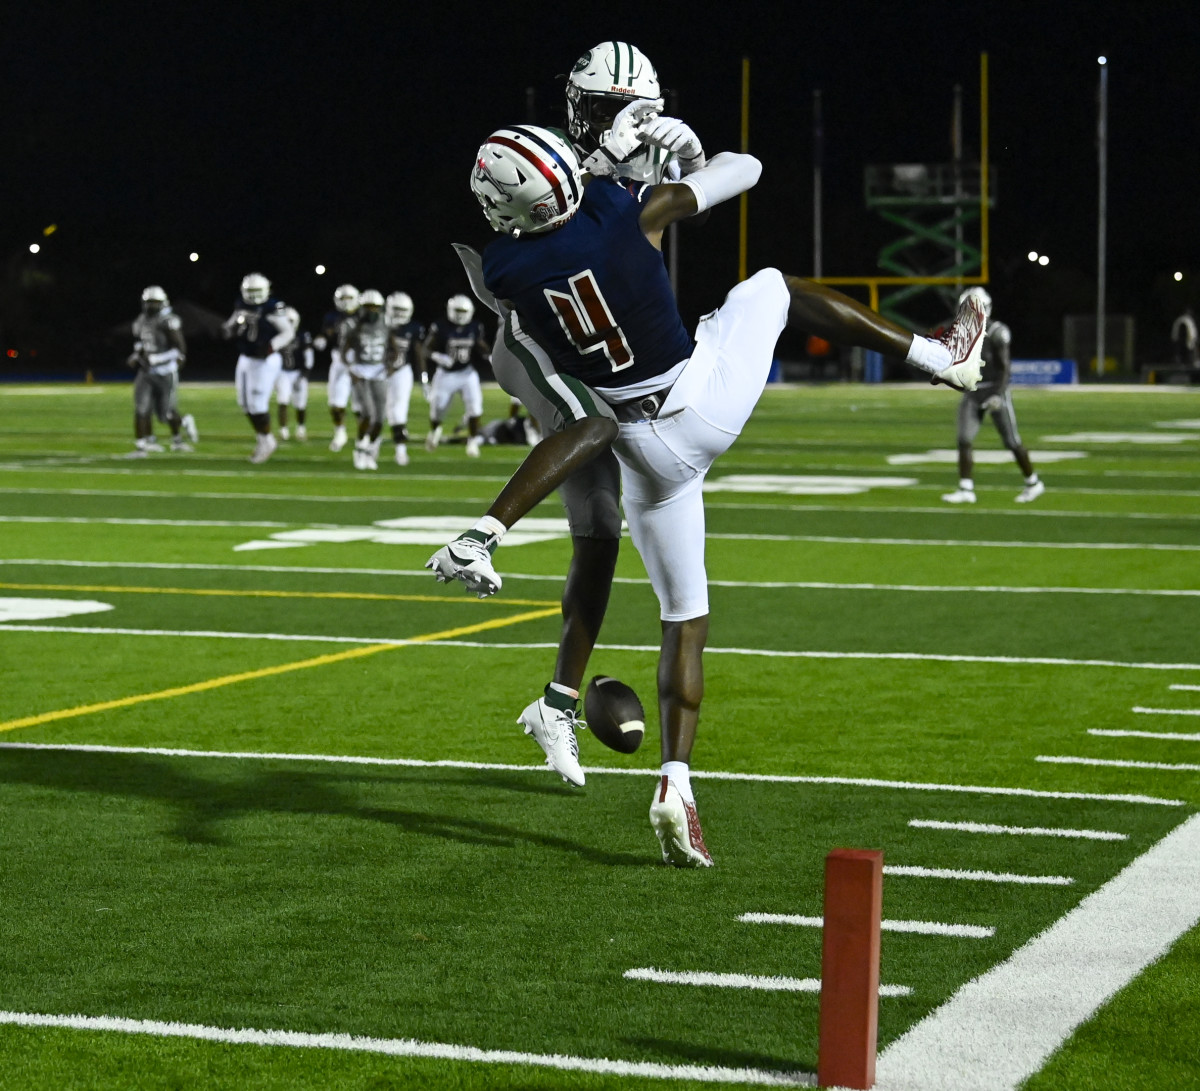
(849, 1019)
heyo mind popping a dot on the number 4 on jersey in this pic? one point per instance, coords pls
(587, 321)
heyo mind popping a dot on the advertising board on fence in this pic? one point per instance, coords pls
(1038, 372)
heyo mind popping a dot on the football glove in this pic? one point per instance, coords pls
(674, 136)
(621, 140)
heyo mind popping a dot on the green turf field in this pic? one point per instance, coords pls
(183, 840)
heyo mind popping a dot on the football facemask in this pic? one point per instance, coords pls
(345, 299)
(154, 299)
(460, 310)
(399, 309)
(526, 179)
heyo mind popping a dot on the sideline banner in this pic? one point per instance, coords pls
(1039, 372)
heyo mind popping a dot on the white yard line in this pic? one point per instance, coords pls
(146, 470)
(446, 763)
(744, 981)
(971, 543)
(1167, 711)
(1022, 512)
(282, 497)
(1191, 688)
(924, 928)
(976, 876)
(1035, 831)
(1173, 736)
(1162, 766)
(408, 1047)
(1002, 1027)
(649, 649)
(802, 585)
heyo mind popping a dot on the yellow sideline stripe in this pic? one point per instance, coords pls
(267, 672)
(365, 595)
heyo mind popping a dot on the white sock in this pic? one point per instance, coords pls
(1032, 479)
(966, 484)
(565, 691)
(678, 772)
(927, 354)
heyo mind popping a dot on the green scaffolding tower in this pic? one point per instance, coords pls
(937, 208)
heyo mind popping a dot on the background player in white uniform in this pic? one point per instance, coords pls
(291, 388)
(260, 327)
(159, 351)
(677, 413)
(366, 346)
(993, 395)
(450, 347)
(406, 362)
(338, 386)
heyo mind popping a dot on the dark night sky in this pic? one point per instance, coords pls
(275, 137)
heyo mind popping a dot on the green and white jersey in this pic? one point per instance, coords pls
(151, 338)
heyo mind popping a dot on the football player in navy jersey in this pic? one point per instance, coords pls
(583, 271)
(407, 362)
(451, 346)
(260, 326)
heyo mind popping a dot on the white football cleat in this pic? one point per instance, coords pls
(264, 448)
(434, 438)
(285, 432)
(468, 560)
(964, 341)
(473, 445)
(339, 438)
(189, 428)
(151, 444)
(554, 731)
(678, 827)
(960, 496)
(358, 457)
(180, 444)
(1030, 492)
(301, 433)
(401, 454)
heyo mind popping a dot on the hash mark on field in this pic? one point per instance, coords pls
(1177, 736)
(448, 763)
(1167, 711)
(925, 928)
(1165, 767)
(977, 876)
(1043, 831)
(408, 1047)
(1181, 686)
(745, 981)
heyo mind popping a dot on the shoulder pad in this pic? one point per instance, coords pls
(1000, 333)
(172, 322)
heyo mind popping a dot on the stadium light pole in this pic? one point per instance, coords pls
(1102, 225)
(818, 163)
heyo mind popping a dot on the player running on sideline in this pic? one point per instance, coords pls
(583, 269)
(159, 351)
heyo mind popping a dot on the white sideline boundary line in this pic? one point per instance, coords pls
(924, 928)
(1166, 767)
(1167, 711)
(497, 645)
(771, 585)
(1037, 831)
(408, 1047)
(1002, 1027)
(448, 763)
(977, 876)
(1174, 736)
(707, 979)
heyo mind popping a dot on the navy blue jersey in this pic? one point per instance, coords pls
(252, 332)
(298, 356)
(595, 293)
(457, 342)
(404, 337)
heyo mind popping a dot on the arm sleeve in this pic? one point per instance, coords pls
(287, 331)
(725, 175)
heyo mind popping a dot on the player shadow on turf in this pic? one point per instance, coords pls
(201, 805)
(722, 1058)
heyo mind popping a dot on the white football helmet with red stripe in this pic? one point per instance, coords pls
(527, 179)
